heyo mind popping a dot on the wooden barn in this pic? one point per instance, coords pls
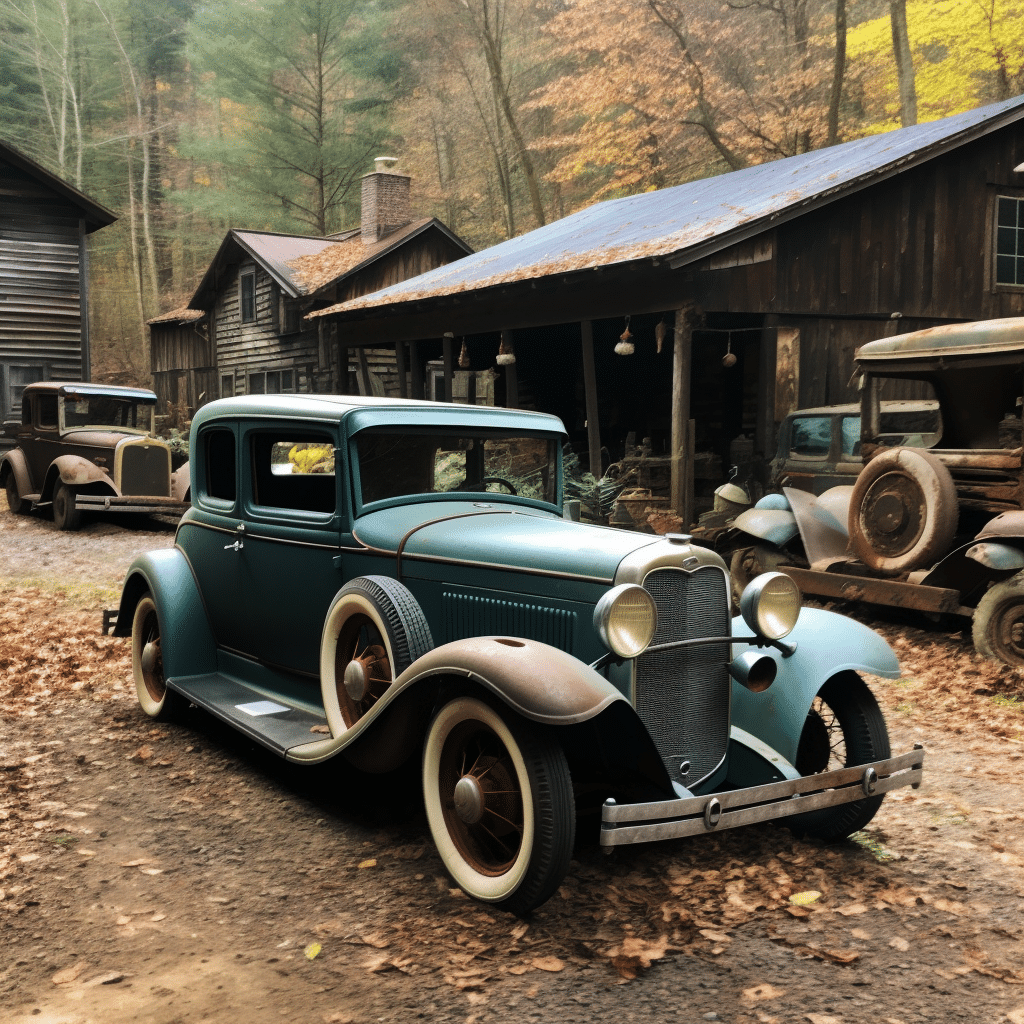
(44, 294)
(698, 316)
(244, 330)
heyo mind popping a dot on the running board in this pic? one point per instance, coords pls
(271, 721)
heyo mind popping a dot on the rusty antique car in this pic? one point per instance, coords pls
(396, 583)
(90, 448)
(934, 523)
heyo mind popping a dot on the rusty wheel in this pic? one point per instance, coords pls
(363, 669)
(998, 627)
(374, 631)
(15, 502)
(903, 511)
(499, 803)
(65, 515)
(844, 727)
(148, 664)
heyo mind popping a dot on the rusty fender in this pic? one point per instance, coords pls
(539, 682)
(77, 472)
(14, 461)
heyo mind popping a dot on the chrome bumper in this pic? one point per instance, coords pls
(667, 819)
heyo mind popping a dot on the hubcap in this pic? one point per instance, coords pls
(357, 679)
(469, 800)
(150, 656)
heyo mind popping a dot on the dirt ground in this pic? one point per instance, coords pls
(181, 874)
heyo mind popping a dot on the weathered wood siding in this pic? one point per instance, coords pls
(425, 252)
(41, 295)
(176, 346)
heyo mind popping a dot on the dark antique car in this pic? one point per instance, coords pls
(395, 580)
(931, 521)
(820, 448)
(90, 447)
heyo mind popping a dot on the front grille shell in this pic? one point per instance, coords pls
(683, 695)
(143, 467)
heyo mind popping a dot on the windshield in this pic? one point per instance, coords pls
(106, 412)
(395, 463)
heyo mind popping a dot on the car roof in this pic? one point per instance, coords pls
(370, 411)
(71, 388)
(981, 338)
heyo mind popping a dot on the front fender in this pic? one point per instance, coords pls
(775, 525)
(535, 680)
(75, 471)
(14, 462)
(826, 645)
(187, 642)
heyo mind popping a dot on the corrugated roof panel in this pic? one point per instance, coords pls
(673, 220)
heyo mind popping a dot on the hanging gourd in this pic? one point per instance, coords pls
(463, 357)
(659, 334)
(625, 347)
(728, 359)
(505, 356)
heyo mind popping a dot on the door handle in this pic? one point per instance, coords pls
(239, 543)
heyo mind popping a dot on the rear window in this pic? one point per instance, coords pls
(294, 471)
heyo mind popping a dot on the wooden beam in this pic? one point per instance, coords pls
(448, 343)
(511, 377)
(415, 371)
(403, 390)
(681, 484)
(590, 390)
(365, 387)
(342, 371)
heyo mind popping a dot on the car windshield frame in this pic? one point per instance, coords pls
(390, 484)
(132, 409)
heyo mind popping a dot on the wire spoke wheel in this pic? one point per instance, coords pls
(483, 800)
(362, 667)
(844, 727)
(499, 803)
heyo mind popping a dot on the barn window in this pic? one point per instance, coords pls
(290, 320)
(247, 299)
(1010, 240)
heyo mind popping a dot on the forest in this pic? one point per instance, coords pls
(192, 117)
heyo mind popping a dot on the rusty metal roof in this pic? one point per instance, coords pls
(983, 337)
(687, 222)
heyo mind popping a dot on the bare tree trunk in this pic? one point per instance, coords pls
(838, 73)
(904, 62)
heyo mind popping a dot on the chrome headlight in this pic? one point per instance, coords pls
(625, 618)
(770, 605)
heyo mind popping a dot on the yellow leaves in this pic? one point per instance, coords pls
(803, 899)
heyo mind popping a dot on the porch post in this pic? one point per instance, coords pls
(415, 371)
(403, 391)
(447, 344)
(681, 484)
(590, 390)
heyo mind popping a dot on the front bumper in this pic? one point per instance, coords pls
(622, 824)
(131, 503)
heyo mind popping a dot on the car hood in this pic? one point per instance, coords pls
(104, 438)
(504, 535)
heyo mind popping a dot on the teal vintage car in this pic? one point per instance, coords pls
(397, 581)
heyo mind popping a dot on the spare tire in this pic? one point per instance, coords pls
(903, 511)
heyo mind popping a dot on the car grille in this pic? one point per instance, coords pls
(145, 470)
(682, 695)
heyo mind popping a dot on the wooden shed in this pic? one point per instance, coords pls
(244, 330)
(700, 315)
(44, 296)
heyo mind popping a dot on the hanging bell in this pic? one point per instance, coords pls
(463, 357)
(505, 357)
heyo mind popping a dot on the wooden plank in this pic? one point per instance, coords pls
(416, 389)
(885, 592)
(511, 374)
(448, 359)
(590, 395)
(403, 390)
(787, 372)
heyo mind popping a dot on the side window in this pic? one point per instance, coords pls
(294, 471)
(1009, 241)
(247, 296)
(26, 411)
(810, 436)
(851, 437)
(219, 453)
(46, 412)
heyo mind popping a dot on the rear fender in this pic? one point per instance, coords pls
(826, 645)
(75, 471)
(181, 482)
(534, 680)
(188, 646)
(822, 521)
(775, 525)
(14, 462)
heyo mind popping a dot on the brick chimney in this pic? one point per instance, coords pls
(385, 201)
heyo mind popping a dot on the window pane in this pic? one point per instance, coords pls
(810, 435)
(248, 298)
(273, 383)
(1006, 270)
(287, 380)
(227, 385)
(46, 407)
(294, 472)
(257, 384)
(1008, 212)
(1010, 241)
(219, 450)
(851, 435)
